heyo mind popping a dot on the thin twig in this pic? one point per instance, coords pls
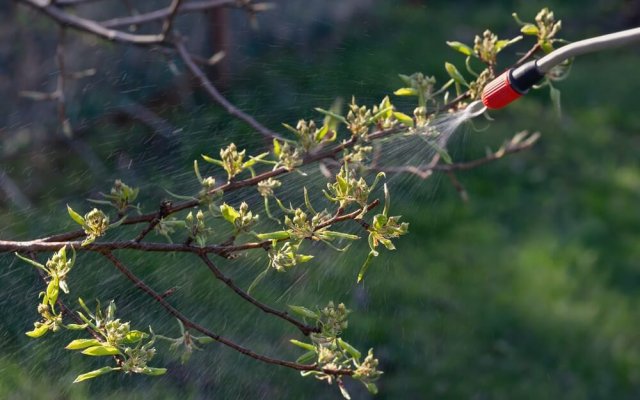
(60, 98)
(159, 15)
(305, 329)
(90, 26)
(192, 325)
(217, 96)
(168, 22)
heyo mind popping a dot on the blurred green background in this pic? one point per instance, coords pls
(528, 291)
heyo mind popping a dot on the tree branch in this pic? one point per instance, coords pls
(90, 26)
(217, 96)
(158, 15)
(305, 329)
(192, 325)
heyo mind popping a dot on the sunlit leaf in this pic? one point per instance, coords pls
(75, 216)
(303, 345)
(80, 344)
(104, 350)
(93, 374)
(455, 74)
(38, 332)
(404, 119)
(529, 29)
(406, 92)
(461, 48)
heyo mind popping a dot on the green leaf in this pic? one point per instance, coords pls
(501, 44)
(104, 350)
(455, 74)
(197, 170)
(135, 336)
(352, 351)
(75, 216)
(304, 312)
(278, 235)
(303, 258)
(461, 48)
(331, 122)
(32, 262)
(277, 149)
(38, 332)
(546, 46)
(404, 119)
(80, 344)
(76, 327)
(93, 374)
(154, 371)
(365, 266)
(338, 235)
(212, 160)
(406, 92)
(321, 133)
(303, 345)
(254, 160)
(371, 387)
(529, 29)
(205, 340)
(53, 288)
(332, 114)
(406, 79)
(307, 357)
(343, 391)
(229, 213)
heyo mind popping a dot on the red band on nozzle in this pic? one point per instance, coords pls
(499, 92)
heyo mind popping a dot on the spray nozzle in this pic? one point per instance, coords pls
(475, 109)
(511, 85)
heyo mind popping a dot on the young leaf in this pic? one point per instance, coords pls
(80, 344)
(353, 352)
(365, 266)
(93, 374)
(229, 213)
(278, 235)
(75, 216)
(307, 357)
(461, 48)
(404, 119)
(154, 371)
(455, 74)
(76, 327)
(332, 114)
(30, 261)
(135, 336)
(212, 160)
(106, 350)
(371, 387)
(304, 312)
(38, 332)
(529, 29)
(52, 291)
(406, 92)
(303, 345)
